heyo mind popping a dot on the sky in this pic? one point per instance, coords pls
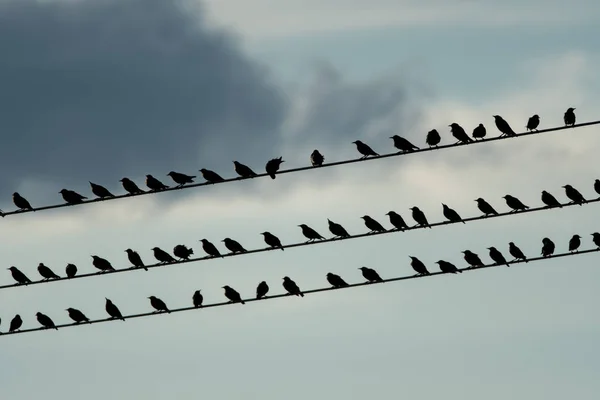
(95, 90)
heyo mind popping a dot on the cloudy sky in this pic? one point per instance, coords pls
(95, 90)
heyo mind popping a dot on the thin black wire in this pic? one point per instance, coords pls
(325, 165)
(300, 244)
(325, 289)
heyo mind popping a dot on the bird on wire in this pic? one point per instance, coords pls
(272, 166)
(364, 149)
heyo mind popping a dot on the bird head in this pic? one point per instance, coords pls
(285, 278)
(155, 248)
(577, 236)
(123, 180)
(362, 268)
(12, 268)
(264, 233)
(365, 217)
(203, 240)
(225, 287)
(63, 191)
(571, 109)
(148, 176)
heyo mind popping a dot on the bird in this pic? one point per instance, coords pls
(162, 256)
(130, 186)
(18, 276)
(77, 315)
(197, 299)
(233, 295)
(403, 144)
(100, 191)
(418, 266)
(291, 287)
(46, 272)
(272, 166)
(472, 259)
(243, 171)
(272, 240)
(336, 281)
(102, 264)
(419, 217)
(574, 195)
(516, 252)
(547, 247)
(154, 184)
(71, 270)
(135, 259)
(373, 225)
(459, 133)
(181, 179)
(514, 203)
(485, 207)
(597, 186)
(45, 321)
(310, 233)
(158, 304)
(549, 200)
(316, 158)
(397, 221)
(596, 239)
(574, 243)
(370, 274)
(182, 252)
(72, 197)
(337, 230)
(261, 290)
(533, 123)
(497, 256)
(433, 138)
(113, 310)
(21, 202)
(211, 176)
(503, 126)
(448, 267)
(479, 132)
(15, 323)
(364, 149)
(569, 117)
(210, 248)
(451, 215)
(234, 246)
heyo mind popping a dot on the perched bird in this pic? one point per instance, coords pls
(419, 217)
(433, 138)
(316, 158)
(272, 240)
(503, 126)
(46, 272)
(403, 144)
(310, 233)
(451, 215)
(158, 304)
(372, 225)
(18, 276)
(130, 186)
(337, 230)
(370, 274)
(514, 203)
(485, 207)
(459, 133)
(261, 290)
(45, 321)
(233, 295)
(336, 281)
(210, 248)
(291, 287)
(154, 184)
(547, 247)
(182, 252)
(162, 256)
(364, 149)
(71, 270)
(596, 239)
(574, 195)
(472, 259)
(15, 323)
(100, 191)
(243, 171)
(448, 267)
(497, 256)
(397, 221)
(135, 259)
(72, 197)
(533, 123)
(569, 117)
(113, 310)
(77, 315)
(272, 166)
(574, 243)
(102, 264)
(181, 179)
(418, 266)
(479, 132)
(516, 252)
(550, 200)
(234, 246)
(211, 176)
(197, 299)
(21, 202)
(597, 186)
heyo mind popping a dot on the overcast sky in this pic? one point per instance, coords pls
(98, 90)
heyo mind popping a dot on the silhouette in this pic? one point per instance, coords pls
(243, 171)
(130, 186)
(291, 287)
(516, 252)
(261, 290)
(272, 240)
(181, 179)
(21, 203)
(503, 126)
(547, 247)
(100, 191)
(316, 158)
(162, 256)
(182, 252)
(135, 259)
(569, 117)
(419, 217)
(234, 246)
(197, 299)
(497, 256)
(364, 149)
(514, 203)
(336, 281)
(211, 176)
(472, 259)
(210, 248)
(574, 195)
(485, 207)
(403, 144)
(337, 230)
(574, 243)
(310, 233)
(418, 266)
(154, 184)
(18, 276)
(45, 321)
(597, 186)
(433, 138)
(102, 264)
(71, 270)
(15, 323)
(232, 295)
(549, 200)
(113, 310)
(447, 267)
(77, 315)
(397, 221)
(533, 123)
(272, 166)
(596, 239)
(459, 133)
(370, 274)
(46, 272)
(158, 304)
(451, 215)
(373, 225)
(479, 132)
(72, 197)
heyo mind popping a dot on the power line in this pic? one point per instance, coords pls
(293, 245)
(325, 165)
(325, 289)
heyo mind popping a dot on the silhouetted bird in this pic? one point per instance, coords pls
(574, 243)
(181, 179)
(451, 215)
(433, 138)
(503, 126)
(479, 132)
(158, 304)
(596, 239)
(574, 195)
(197, 299)
(514, 203)
(485, 207)
(397, 220)
(550, 200)
(533, 123)
(372, 225)
(113, 310)
(154, 184)
(364, 149)
(232, 295)
(130, 186)
(403, 144)
(597, 186)
(135, 259)
(459, 133)
(77, 315)
(261, 290)
(182, 252)
(210, 248)
(71, 270)
(569, 117)
(45, 321)
(419, 217)
(448, 267)
(336, 281)
(336, 229)
(15, 323)
(310, 233)
(472, 258)
(102, 264)
(547, 247)
(497, 256)
(291, 287)
(211, 176)
(316, 158)
(272, 240)
(370, 274)
(516, 252)
(243, 171)
(100, 191)
(46, 272)
(162, 256)
(418, 266)
(272, 166)
(21, 202)
(234, 246)
(18, 276)
(72, 197)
